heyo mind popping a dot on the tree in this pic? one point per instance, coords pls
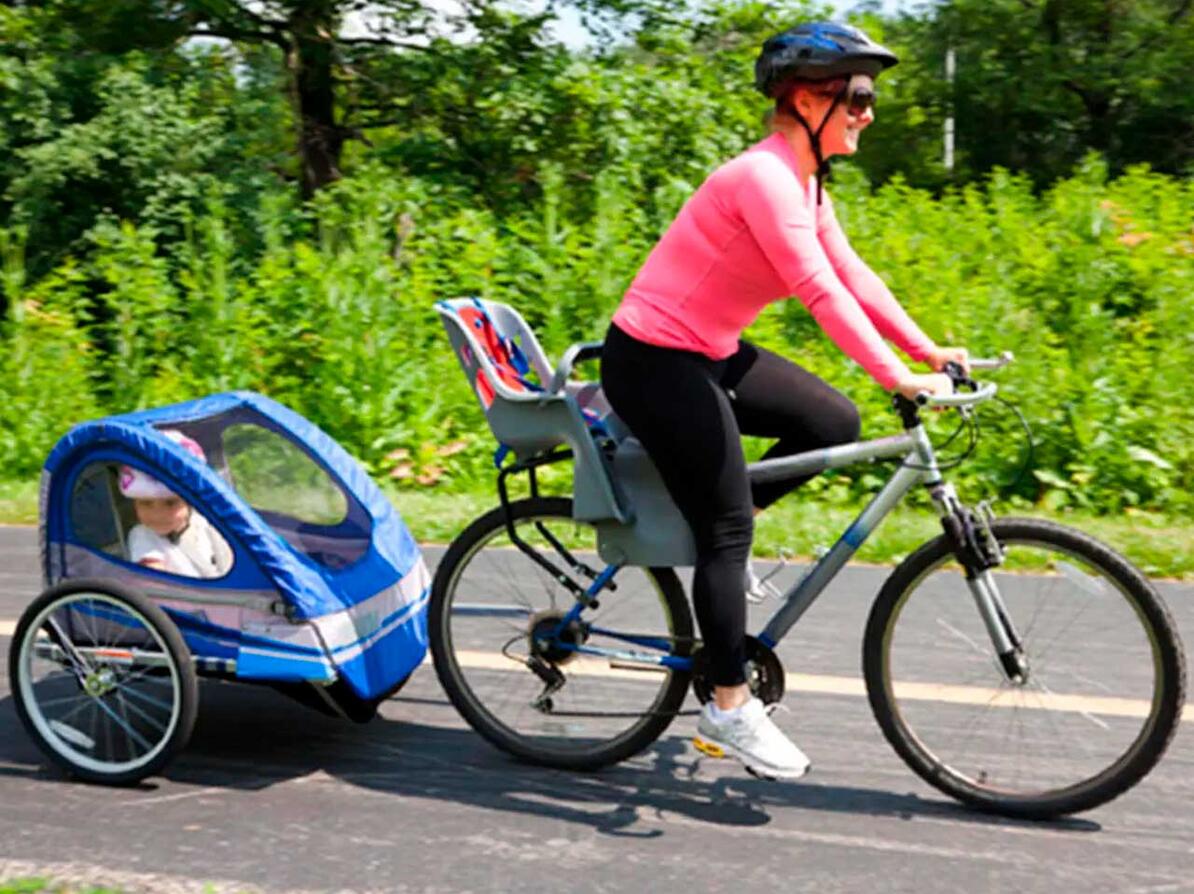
(1041, 82)
(337, 79)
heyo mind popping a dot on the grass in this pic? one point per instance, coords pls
(18, 506)
(44, 886)
(1162, 547)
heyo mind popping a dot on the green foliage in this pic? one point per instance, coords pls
(1088, 284)
(44, 361)
(333, 314)
(154, 248)
(1038, 84)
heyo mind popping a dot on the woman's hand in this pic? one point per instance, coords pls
(937, 384)
(938, 357)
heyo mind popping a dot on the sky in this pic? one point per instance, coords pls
(572, 34)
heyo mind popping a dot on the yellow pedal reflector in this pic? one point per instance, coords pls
(708, 748)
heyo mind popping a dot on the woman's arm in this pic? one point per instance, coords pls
(768, 198)
(872, 293)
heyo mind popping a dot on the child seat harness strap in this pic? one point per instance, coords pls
(512, 367)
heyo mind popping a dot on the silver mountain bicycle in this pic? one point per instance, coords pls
(562, 634)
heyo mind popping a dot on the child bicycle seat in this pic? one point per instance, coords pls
(531, 408)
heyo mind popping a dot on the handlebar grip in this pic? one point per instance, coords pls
(984, 392)
(999, 362)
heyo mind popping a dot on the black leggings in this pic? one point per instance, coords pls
(689, 413)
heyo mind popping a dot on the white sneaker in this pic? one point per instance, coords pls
(749, 734)
(758, 589)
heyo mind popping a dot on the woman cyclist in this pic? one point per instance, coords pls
(674, 369)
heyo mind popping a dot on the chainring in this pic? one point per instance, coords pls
(764, 674)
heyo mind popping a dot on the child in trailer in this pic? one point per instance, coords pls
(170, 536)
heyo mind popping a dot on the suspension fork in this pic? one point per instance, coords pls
(973, 543)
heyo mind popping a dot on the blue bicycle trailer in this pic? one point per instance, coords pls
(226, 537)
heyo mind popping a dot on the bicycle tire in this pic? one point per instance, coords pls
(1145, 750)
(631, 741)
(66, 746)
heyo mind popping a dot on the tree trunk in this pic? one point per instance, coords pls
(312, 26)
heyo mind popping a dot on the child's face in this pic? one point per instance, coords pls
(163, 516)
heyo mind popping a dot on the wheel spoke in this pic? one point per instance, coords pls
(114, 729)
(145, 697)
(90, 700)
(50, 702)
(1061, 739)
(115, 718)
(599, 709)
(77, 660)
(131, 706)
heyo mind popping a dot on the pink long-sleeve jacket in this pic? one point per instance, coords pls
(750, 235)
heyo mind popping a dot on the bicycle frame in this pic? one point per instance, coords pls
(919, 467)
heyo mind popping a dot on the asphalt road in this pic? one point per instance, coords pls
(271, 796)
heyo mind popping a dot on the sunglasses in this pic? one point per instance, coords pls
(859, 100)
(856, 101)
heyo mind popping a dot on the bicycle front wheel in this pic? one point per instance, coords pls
(491, 603)
(1103, 692)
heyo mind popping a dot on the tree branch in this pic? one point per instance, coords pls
(1179, 13)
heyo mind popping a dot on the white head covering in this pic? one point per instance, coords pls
(138, 485)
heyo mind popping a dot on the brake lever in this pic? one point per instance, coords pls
(958, 376)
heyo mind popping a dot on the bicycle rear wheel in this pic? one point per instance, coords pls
(488, 597)
(1103, 693)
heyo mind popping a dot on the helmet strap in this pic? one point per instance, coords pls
(814, 138)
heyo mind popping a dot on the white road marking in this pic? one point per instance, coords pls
(834, 685)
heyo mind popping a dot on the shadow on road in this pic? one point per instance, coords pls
(250, 738)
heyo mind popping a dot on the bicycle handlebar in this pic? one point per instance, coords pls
(985, 392)
(992, 362)
(977, 394)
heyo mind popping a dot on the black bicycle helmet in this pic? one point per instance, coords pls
(817, 51)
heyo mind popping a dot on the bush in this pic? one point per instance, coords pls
(330, 309)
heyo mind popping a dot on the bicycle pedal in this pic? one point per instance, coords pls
(785, 556)
(708, 748)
